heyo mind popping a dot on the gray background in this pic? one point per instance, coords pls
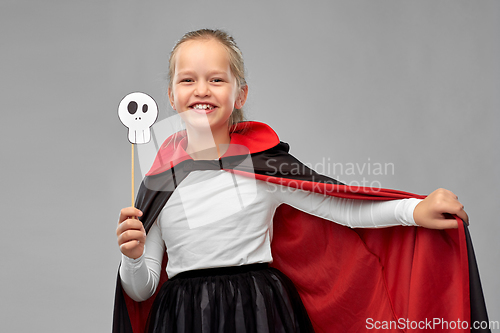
(413, 83)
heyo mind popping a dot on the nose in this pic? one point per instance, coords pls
(202, 89)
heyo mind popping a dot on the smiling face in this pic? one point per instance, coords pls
(204, 90)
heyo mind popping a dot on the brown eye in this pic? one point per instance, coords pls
(145, 108)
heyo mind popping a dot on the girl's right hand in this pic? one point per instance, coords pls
(130, 232)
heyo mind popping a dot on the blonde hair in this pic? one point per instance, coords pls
(235, 61)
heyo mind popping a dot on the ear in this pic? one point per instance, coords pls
(171, 98)
(241, 98)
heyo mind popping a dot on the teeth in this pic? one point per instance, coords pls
(203, 107)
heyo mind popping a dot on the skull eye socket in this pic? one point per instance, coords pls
(132, 107)
(145, 108)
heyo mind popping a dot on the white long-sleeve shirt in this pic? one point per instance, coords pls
(216, 219)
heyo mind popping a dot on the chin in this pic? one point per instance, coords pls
(204, 121)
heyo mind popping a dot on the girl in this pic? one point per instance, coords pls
(217, 226)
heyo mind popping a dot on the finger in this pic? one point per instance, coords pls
(448, 192)
(451, 194)
(130, 243)
(129, 224)
(131, 235)
(458, 209)
(130, 246)
(463, 215)
(446, 195)
(129, 212)
(448, 224)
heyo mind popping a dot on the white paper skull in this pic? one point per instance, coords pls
(138, 111)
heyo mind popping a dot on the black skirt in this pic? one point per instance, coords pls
(250, 298)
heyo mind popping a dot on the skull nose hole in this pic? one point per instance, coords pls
(132, 107)
(145, 108)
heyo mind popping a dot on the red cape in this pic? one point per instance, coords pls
(350, 280)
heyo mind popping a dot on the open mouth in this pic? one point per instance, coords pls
(202, 107)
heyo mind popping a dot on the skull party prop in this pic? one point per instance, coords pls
(138, 111)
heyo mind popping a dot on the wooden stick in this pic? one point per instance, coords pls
(133, 199)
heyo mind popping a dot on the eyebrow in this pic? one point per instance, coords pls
(190, 72)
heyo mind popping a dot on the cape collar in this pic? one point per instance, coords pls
(253, 135)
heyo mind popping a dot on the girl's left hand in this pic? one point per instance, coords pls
(434, 211)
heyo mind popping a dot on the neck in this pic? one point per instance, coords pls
(207, 144)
